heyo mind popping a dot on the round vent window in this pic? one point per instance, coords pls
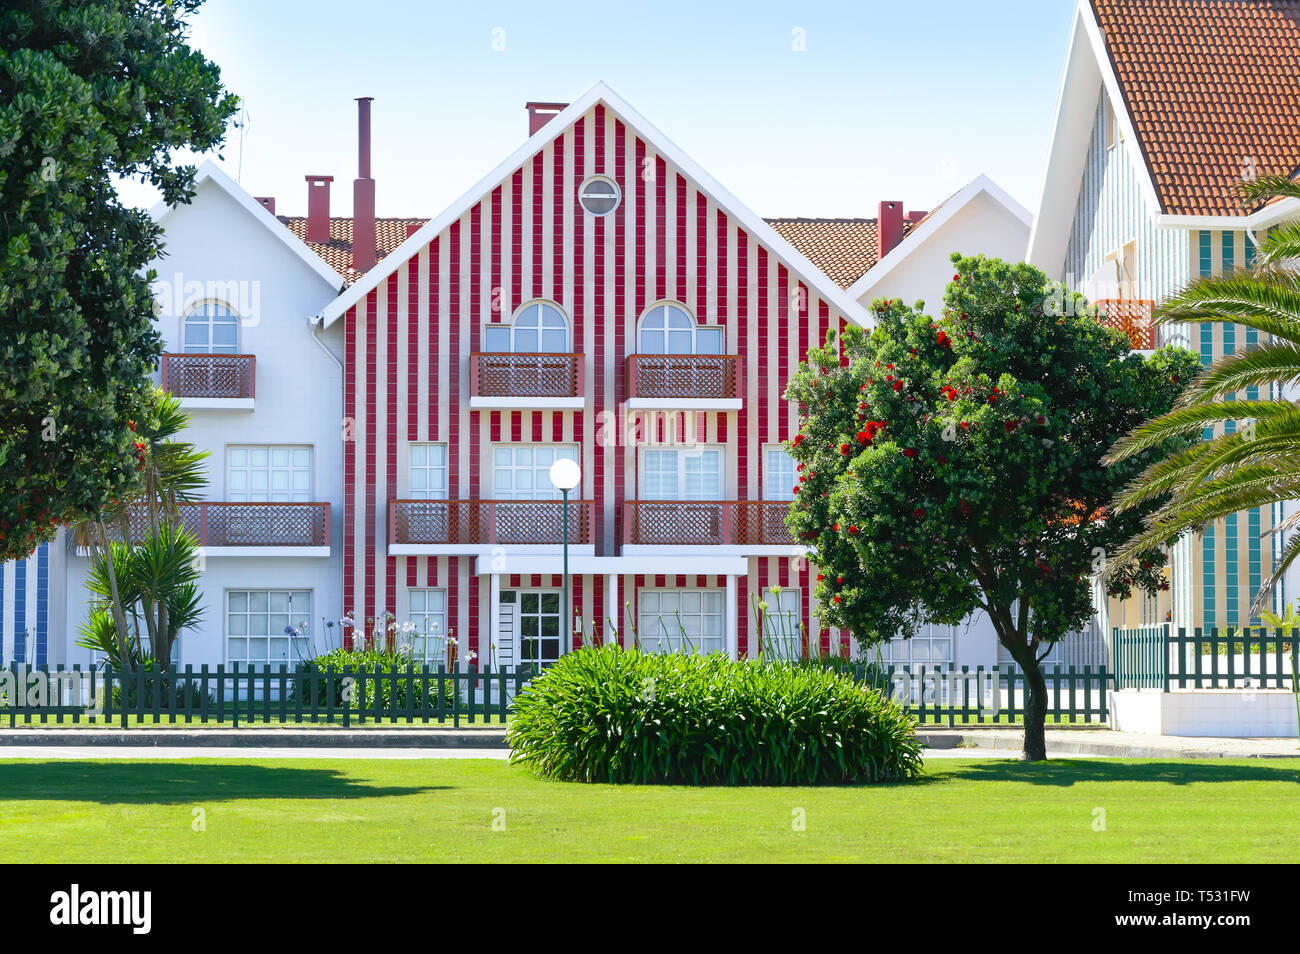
(599, 195)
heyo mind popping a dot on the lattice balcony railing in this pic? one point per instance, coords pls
(209, 375)
(1131, 316)
(697, 376)
(513, 522)
(525, 375)
(227, 524)
(706, 522)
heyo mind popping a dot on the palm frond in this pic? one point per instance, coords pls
(1259, 367)
(1267, 301)
(1184, 421)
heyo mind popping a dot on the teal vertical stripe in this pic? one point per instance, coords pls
(1207, 254)
(1207, 578)
(1252, 341)
(1254, 555)
(1230, 581)
(1229, 251)
(1250, 252)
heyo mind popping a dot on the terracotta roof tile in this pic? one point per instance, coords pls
(337, 252)
(1211, 88)
(844, 249)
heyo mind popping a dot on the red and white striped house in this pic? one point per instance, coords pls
(600, 297)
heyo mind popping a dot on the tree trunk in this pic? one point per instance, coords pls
(119, 616)
(1035, 711)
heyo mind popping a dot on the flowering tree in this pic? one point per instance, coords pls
(953, 466)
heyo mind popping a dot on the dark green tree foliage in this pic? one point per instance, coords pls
(953, 466)
(89, 90)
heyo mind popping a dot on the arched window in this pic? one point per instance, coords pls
(539, 326)
(668, 328)
(211, 328)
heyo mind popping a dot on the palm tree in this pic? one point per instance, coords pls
(171, 473)
(1258, 463)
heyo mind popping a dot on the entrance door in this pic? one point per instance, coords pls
(536, 625)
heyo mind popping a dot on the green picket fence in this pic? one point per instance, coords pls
(1158, 657)
(262, 695)
(990, 695)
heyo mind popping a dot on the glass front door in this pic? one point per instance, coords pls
(539, 626)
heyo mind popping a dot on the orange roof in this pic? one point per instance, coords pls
(844, 249)
(337, 252)
(1211, 89)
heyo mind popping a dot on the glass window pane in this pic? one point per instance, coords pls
(497, 339)
(708, 341)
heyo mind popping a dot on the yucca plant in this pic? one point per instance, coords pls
(171, 473)
(617, 715)
(1258, 464)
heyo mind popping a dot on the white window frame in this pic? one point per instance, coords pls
(539, 478)
(429, 641)
(658, 611)
(683, 454)
(593, 180)
(662, 313)
(778, 481)
(296, 650)
(270, 494)
(903, 652)
(782, 636)
(208, 311)
(428, 470)
(550, 317)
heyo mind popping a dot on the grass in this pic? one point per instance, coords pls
(443, 810)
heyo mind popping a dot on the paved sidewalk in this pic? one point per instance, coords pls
(430, 737)
(244, 752)
(1108, 743)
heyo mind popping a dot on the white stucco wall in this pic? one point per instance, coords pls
(298, 397)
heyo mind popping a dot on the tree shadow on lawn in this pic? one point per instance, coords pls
(170, 783)
(1066, 772)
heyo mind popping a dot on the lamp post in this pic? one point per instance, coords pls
(565, 475)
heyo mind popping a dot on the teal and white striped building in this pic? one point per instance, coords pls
(1140, 197)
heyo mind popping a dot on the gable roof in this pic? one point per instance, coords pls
(932, 224)
(337, 252)
(1208, 85)
(844, 249)
(209, 171)
(798, 265)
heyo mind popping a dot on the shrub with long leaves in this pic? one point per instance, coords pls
(617, 715)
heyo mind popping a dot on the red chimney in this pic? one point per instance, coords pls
(363, 194)
(539, 114)
(891, 226)
(318, 208)
(268, 202)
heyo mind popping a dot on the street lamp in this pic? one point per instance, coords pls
(565, 475)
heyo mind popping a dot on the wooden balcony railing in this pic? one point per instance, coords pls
(525, 375)
(697, 376)
(706, 522)
(227, 524)
(488, 521)
(1131, 316)
(209, 375)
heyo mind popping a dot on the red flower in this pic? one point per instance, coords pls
(965, 506)
(864, 437)
(1041, 420)
(839, 579)
(853, 529)
(890, 367)
(956, 278)
(918, 512)
(993, 399)
(131, 424)
(844, 449)
(909, 452)
(837, 599)
(837, 528)
(820, 577)
(898, 385)
(798, 439)
(943, 340)
(1011, 425)
(942, 459)
(796, 488)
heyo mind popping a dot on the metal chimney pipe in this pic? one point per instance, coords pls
(363, 194)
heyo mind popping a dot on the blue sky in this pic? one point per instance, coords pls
(887, 100)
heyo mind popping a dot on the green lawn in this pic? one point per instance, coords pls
(409, 810)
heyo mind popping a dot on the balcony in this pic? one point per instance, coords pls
(473, 526)
(1131, 316)
(214, 381)
(709, 382)
(249, 529)
(754, 525)
(526, 381)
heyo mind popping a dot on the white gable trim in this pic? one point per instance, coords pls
(799, 266)
(211, 171)
(1086, 65)
(933, 225)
